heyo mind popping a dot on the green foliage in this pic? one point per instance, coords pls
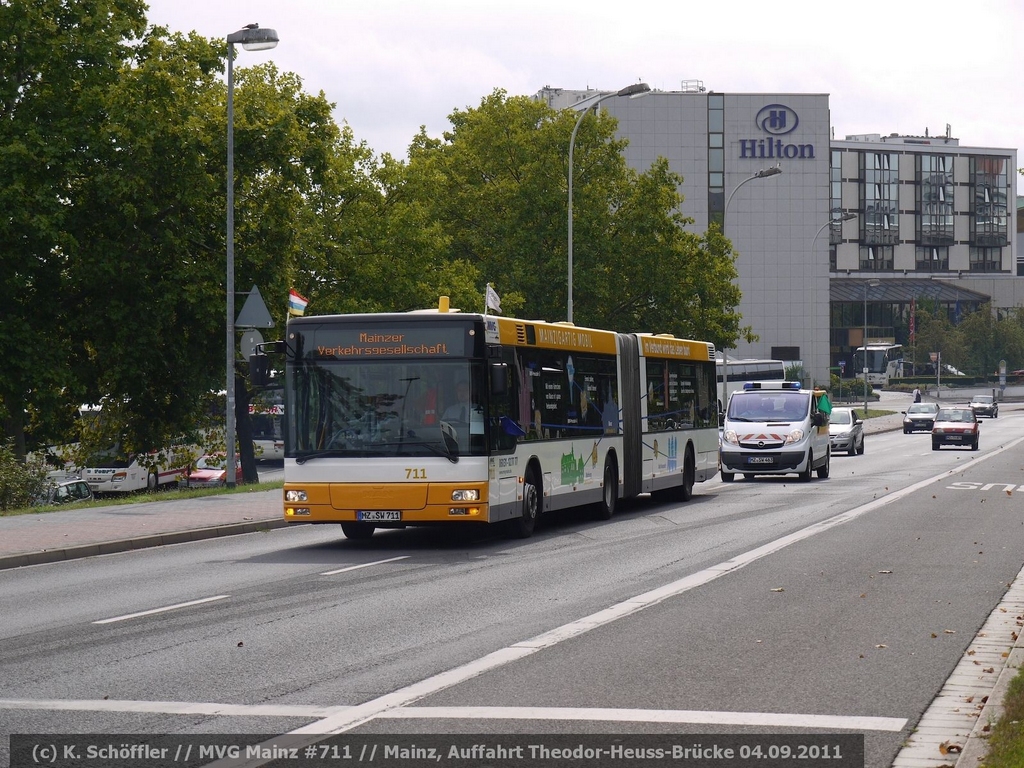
(20, 482)
(112, 260)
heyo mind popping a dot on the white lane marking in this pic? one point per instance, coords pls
(595, 714)
(586, 714)
(171, 707)
(365, 565)
(368, 710)
(162, 610)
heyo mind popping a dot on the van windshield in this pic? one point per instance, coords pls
(762, 405)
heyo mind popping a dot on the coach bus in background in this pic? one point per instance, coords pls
(438, 416)
(116, 471)
(743, 371)
(884, 362)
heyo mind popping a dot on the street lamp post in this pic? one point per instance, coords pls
(775, 170)
(630, 90)
(251, 38)
(848, 216)
(864, 342)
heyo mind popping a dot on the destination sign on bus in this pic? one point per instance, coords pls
(379, 342)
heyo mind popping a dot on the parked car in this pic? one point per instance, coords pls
(955, 426)
(209, 472)
(846, 431)
(985, 405)
(919, 416)
(65, 492)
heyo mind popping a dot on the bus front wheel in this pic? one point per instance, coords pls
(522, 527)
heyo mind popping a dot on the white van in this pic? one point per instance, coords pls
(775, 428)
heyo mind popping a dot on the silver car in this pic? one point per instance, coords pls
(846, 431)
(985, 405)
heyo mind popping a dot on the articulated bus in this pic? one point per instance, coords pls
(743, 371)
(428, 417)
(884, 362)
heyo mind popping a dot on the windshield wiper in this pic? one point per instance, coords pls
(324, 454)
(433, 447)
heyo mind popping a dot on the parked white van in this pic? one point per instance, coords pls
(775, 428)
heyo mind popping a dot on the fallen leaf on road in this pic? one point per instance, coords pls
(950, 748)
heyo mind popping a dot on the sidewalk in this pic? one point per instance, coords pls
(68, 534)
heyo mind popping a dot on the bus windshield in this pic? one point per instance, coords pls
(382, 408)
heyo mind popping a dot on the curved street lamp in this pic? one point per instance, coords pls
(848, 216)
(630, 90)
(764, 173)
(251, 38)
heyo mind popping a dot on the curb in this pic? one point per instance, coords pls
(43, 556)
(976, 749)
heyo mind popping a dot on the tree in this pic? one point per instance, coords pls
(498, 184)
(51, 111)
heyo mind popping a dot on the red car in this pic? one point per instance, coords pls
(955, 426)
(209, 472)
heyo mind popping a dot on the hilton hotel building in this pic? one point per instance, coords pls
(871, 222)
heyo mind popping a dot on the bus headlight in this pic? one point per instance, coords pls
(466, 495)
(295, 496)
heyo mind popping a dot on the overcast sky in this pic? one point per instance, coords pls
(391, 66)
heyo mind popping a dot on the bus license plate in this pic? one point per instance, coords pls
(760, 460)
(378, 515)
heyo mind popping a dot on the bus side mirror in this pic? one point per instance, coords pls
(259, 370)
(499, 378)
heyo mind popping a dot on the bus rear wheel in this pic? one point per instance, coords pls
(609, 491)
(357, 531)
(152, 480)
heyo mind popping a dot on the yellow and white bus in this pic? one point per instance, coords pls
(377, 436)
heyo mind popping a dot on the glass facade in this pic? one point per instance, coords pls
(934, 200)
(989, 195)
(879, 200)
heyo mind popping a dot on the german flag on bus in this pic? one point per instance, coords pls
(296, 303)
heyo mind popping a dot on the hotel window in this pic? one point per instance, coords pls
(716, 159)
(879, 198)
(876, 258)
(935, 199)
(986, 259)
(932, 259)
(989, 195)
(835, 202)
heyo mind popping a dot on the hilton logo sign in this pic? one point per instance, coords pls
(776, 120)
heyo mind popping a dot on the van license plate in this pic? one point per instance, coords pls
(378, 515)
(760, 460)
